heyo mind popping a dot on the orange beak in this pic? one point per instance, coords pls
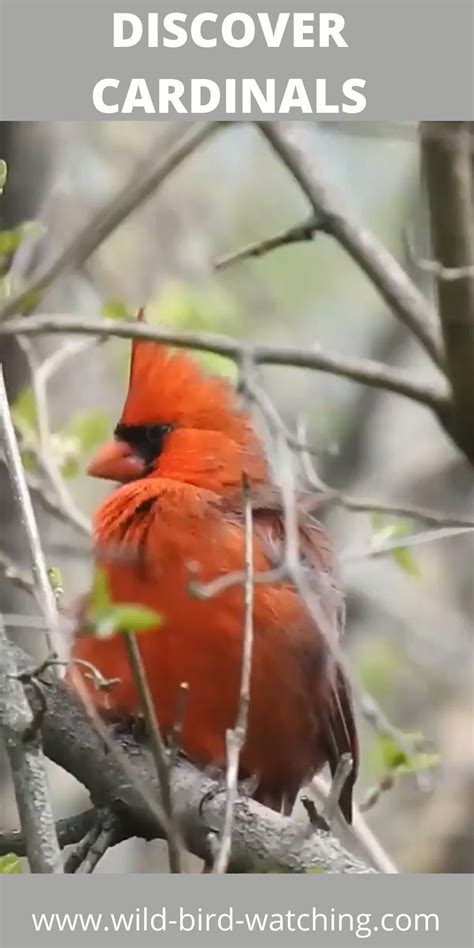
(115, 461)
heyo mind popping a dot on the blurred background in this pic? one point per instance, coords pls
(410, 615)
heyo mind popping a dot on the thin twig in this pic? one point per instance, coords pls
(47, 497)
(334, 497)
(40, 374)
(27, 767)
(343, 770)
(291, 143)
(300, 233)
(157, 744)
(106, 220)
(177, 730)
(235, 738)
(363, 371)
(412, 539)
(22, 499)
(374, 793)
(359, 834)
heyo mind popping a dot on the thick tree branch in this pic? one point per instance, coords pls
(447, 166)
(363, 371)
(288, 139)
(261, 838)
(23, 746)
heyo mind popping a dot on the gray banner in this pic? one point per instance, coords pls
(215, 911)
(412, 59)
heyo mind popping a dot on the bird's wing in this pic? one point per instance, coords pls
(325, 601)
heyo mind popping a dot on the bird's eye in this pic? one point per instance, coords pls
(145, 440)
(155, 434)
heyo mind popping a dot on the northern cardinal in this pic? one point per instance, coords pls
(179, 453)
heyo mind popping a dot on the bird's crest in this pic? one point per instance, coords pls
(168, 386)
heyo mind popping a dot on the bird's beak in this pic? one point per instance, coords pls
(116, 461)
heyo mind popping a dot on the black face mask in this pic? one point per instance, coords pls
(145, 440)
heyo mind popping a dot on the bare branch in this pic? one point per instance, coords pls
(363, 371)
(40, 374)
(413, 539)
(359, 834)
(331, 807)
(289, 141)
(235, 739)
(447, 166)
(300, 233)
(333, 497)
(157, 744)
(106, 220)
(68, 831)
(261, 837)
(27, 768)
(22, 499)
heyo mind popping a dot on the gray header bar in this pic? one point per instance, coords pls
(399, 60)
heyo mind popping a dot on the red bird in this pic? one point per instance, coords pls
(179, 453)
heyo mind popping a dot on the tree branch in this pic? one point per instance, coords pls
(27, 767)
(235, 738)
(68, 831)
(300, 233)
(106, 220)
(363, 371)
(261, 838)
(157, 744)
(289, 142)
(22, 500)
(447, 167)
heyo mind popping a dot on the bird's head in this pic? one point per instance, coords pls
(179, 423)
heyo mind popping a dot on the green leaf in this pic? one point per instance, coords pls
(24, 412)
(116, 309)
(10, 240)
(131, 618)
(406, 561)
(99, 599)
(55, 580)
(124, 617)
(3, 174)
(107, 618)
(384, 531)
(404, 760)
(10, 865)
